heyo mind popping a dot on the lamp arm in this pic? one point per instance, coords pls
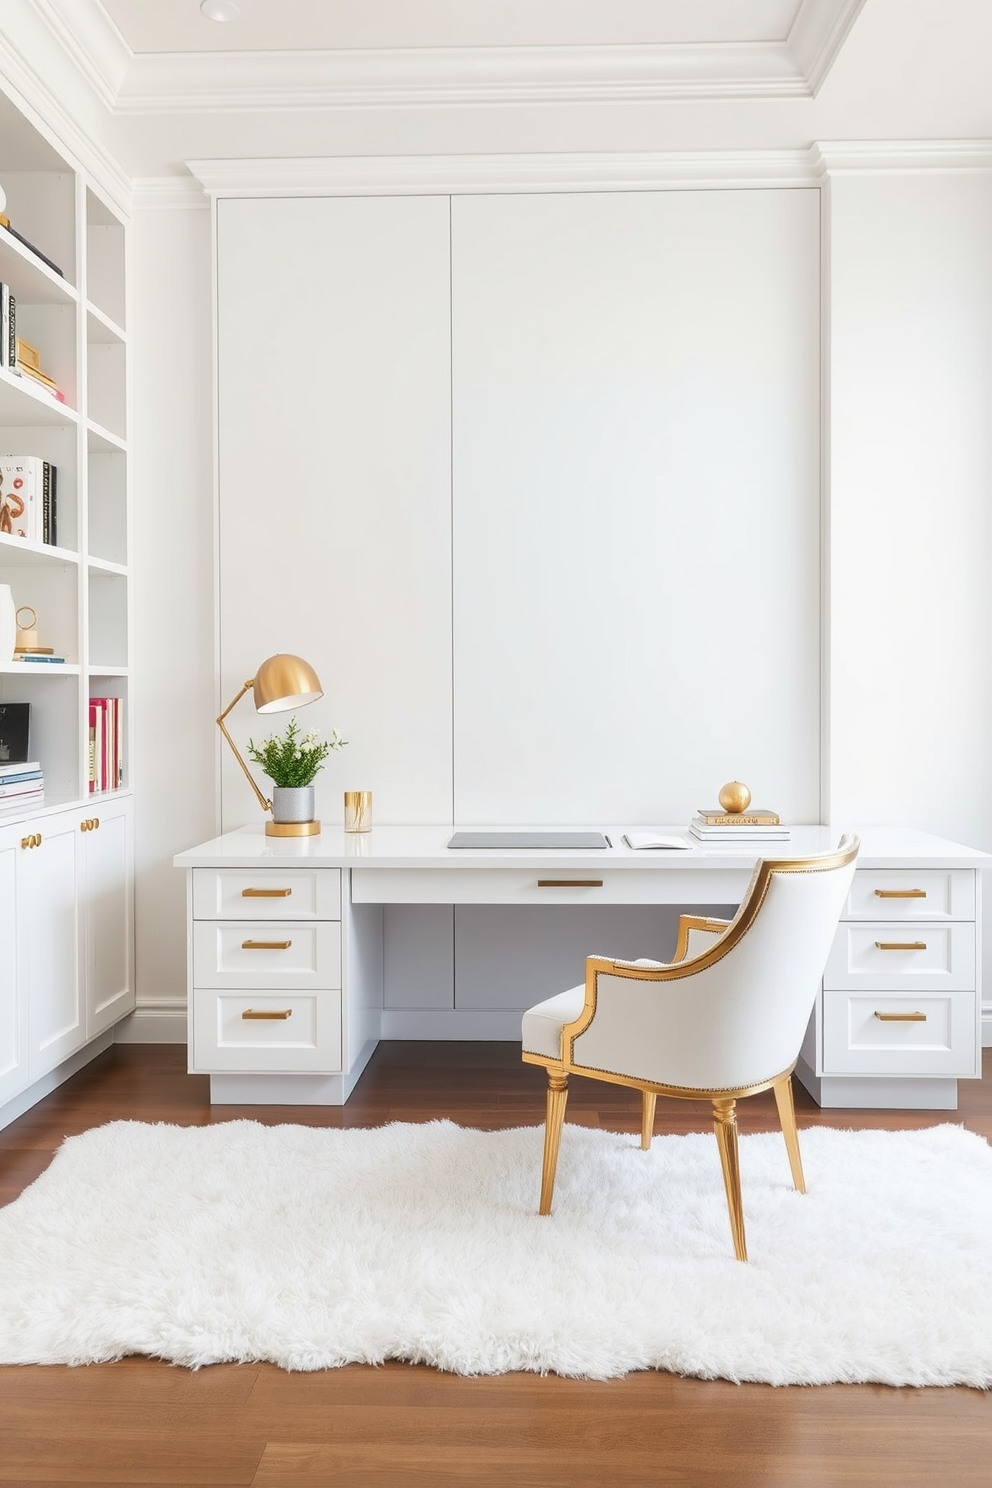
(265, 805)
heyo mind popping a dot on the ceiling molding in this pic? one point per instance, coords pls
(92, 42)
(426, 174)
(169, 193)
(841, 157)
(50, 115)
(280, 81)
(127, 82)
(817, 35)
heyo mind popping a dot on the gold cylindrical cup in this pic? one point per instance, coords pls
(358, 811)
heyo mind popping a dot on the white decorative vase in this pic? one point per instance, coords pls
(8, 625)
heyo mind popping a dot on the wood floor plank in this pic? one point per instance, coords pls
(141, 1421)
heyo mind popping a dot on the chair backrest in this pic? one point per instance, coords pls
(734, 1015)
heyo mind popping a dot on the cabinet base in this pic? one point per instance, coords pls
(288, 1089)
(854, 1092)
(46, 1083)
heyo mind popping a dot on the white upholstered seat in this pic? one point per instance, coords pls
(724, 1019)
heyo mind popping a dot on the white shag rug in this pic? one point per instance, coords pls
(314, 1248)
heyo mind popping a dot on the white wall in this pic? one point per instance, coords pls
(910, 509)
(174, 688)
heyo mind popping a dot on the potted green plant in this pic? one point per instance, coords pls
(291, 760)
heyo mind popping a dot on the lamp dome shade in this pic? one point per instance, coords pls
(283, 682)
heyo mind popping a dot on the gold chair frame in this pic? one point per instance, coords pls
(724, 1102)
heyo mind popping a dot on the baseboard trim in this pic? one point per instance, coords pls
(489, 1027)
(45, 1084)
(854, 1092)
(153, 1025)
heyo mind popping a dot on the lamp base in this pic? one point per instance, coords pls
(292, 829)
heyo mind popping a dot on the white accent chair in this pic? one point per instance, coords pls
(724, 1019)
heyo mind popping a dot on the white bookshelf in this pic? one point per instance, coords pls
(81, 587)
(66, 864)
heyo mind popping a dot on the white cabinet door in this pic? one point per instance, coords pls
(48, 924)
(107, 927)
(13, 1034)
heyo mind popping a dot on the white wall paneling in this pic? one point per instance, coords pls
(636, 503)
(334, 484)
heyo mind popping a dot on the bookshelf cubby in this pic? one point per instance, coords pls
(80, 586)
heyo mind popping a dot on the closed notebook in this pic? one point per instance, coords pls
(652, 841)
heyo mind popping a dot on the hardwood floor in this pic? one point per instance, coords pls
(254, 1426)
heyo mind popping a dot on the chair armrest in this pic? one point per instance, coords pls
(698, 932)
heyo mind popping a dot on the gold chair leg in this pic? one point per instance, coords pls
(557, 1098)
(648, 1102)
(787, 1119)
(725, 1126)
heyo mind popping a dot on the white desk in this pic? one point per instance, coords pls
(285, 963)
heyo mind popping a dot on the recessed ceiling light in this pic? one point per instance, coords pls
(220, 10)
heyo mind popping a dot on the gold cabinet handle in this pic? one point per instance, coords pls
(900, 1017)
(34, 840)
(281, 1014)
(900, 945)
(90, 824)
(265, 893)
(569, 883)
(266, 945)
(900, 893)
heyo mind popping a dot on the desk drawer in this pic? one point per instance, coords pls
(541, 885)
(272, 893)
(918, 957)
(917, 1034)
(266, 956)
(263, 1031)
(907, 894)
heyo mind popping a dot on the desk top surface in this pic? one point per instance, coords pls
(425, 847)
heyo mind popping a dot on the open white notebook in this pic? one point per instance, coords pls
(639, 840)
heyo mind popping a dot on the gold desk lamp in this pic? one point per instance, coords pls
(281, 682)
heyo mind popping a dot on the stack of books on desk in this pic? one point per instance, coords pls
(716, 825)
(21, 785)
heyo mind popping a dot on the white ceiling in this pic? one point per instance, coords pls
(326, 25)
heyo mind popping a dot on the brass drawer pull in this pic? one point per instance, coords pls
(33, 841)
(569, 883)
(265, 893)
(282, 1014)
(900, 1017)
(900, 893)
(266, 945)
(901, 945)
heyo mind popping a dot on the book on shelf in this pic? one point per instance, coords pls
(106, 744)
(19, 767)
(41, 380)
(5, 224)
(8, 328)
(18, 803)
(36, 656)
(18, 788)
(651, 841)
(28, 486)
(715, 816)
(15, 726)
(20, 774)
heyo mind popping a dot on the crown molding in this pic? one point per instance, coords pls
(168, 193)
(49, 114)
(92, 42)
(426, 174)
(281, 81)
(216, 82)
(845, 157)
(817, 35)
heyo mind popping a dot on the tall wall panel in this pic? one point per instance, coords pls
(636, 503)
(334, 481)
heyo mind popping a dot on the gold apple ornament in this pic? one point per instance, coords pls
(734, 797)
